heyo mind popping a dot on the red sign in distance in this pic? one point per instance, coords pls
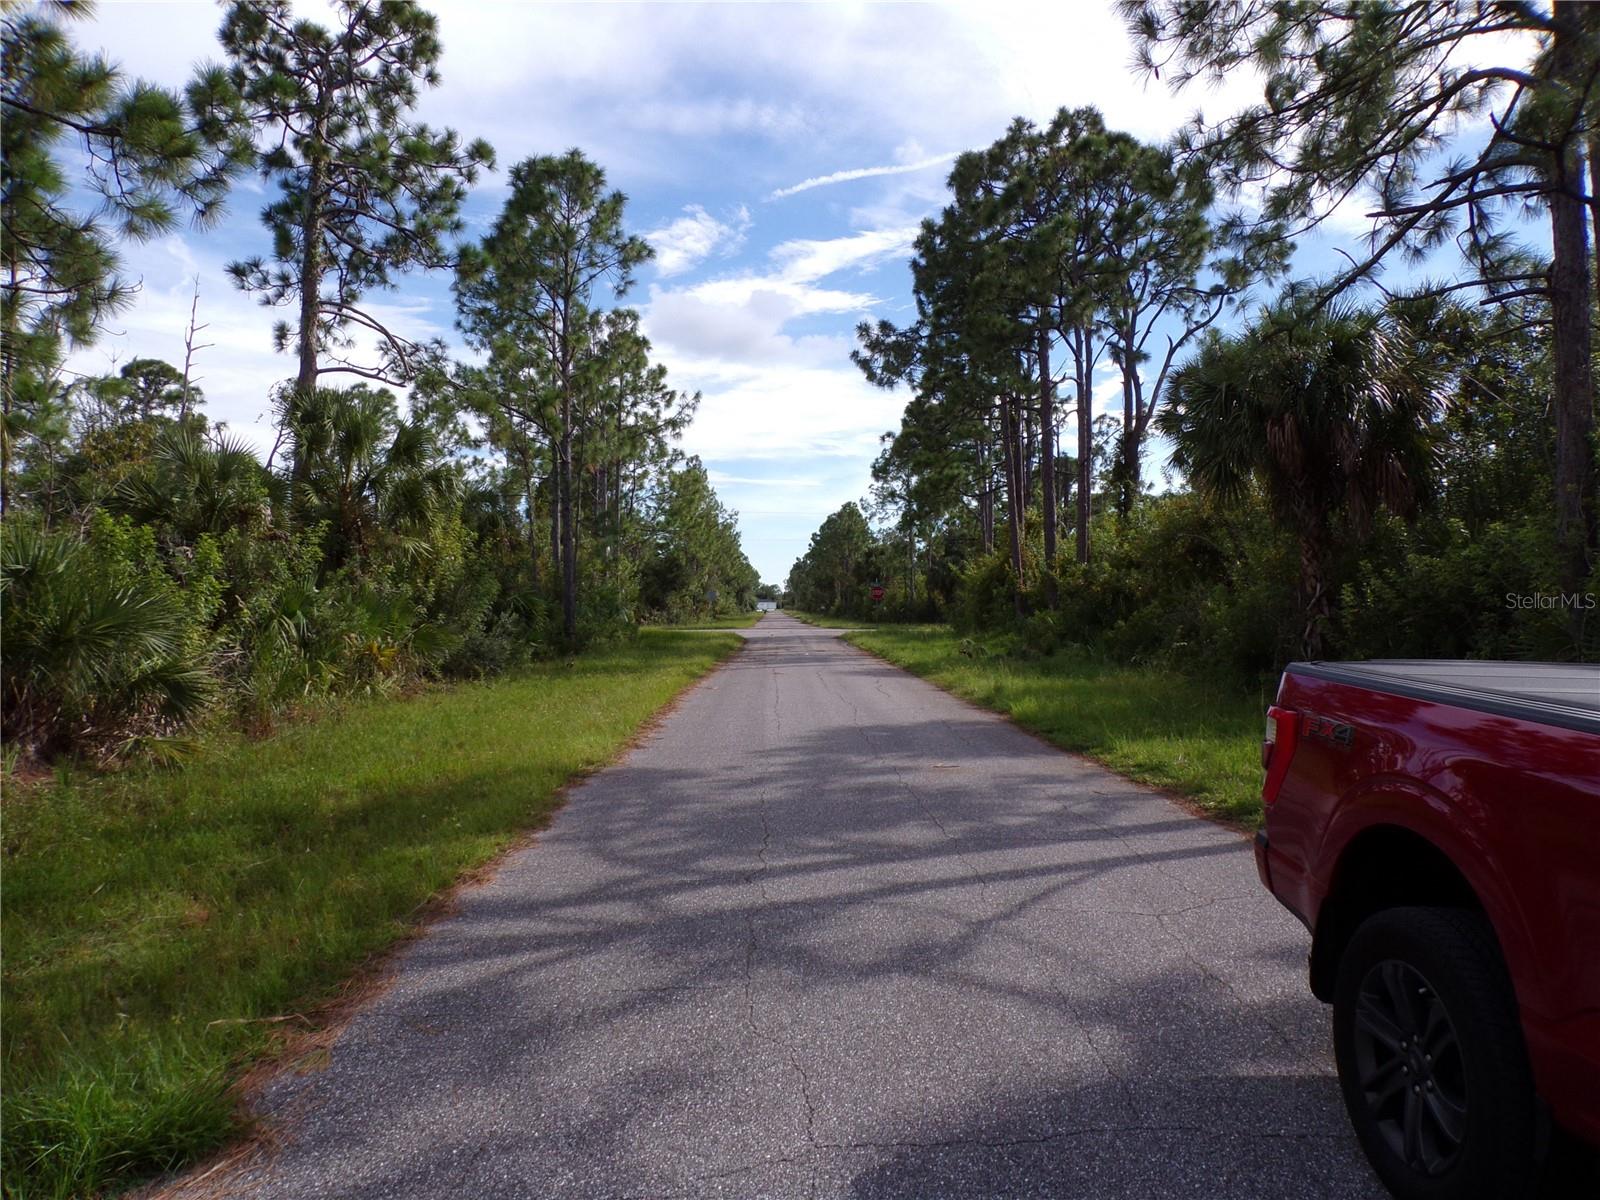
(877, 593)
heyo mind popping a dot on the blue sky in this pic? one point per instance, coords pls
(779, 157)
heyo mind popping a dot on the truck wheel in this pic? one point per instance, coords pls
(1431, 1058)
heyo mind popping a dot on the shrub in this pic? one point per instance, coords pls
(1185, 582)
(984, 598)
(1435, 590)
(104, 650)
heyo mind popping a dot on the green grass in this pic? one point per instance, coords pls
(826, 622)
(153, 920)
(737, 621)
(1155, 726)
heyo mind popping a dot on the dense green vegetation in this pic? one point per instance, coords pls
(429, 520)
(1341, 477)
(158, 922)
(1361, 101)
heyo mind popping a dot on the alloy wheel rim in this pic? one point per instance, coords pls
(1409, 1065)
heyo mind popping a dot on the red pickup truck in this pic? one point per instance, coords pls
(1436, 826)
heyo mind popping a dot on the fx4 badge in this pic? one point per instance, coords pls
(1326, 729)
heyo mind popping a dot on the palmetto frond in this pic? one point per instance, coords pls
(1335, 407)
(374, 478)
(197, 486)
(90, 658)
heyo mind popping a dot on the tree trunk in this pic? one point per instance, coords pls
(530, 492)
(1571, 313)
(305, 382)
(985, 493)
(7, 391)
(1316, 605)
(1594, 201)
(533, 539)
(1589, 28)
(1025, 450)
(8, 385)
(1128, 472)
(1047, 464)
(1014, 510)
(1085, 381)
(555, 515)
(5, 461)
(569, 540)
(911, 570)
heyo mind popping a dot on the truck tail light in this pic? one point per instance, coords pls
(1283, 725)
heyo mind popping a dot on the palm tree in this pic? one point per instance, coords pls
(1331, 412)
(197, 485)
(374, 477)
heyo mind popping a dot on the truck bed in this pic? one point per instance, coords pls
(1562, 694)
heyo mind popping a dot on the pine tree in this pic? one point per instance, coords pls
(631, 421)
(148, 153)
(532, 292)
(365, 192)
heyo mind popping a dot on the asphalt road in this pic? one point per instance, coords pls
(828, 932)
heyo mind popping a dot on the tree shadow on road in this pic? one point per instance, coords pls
(916, 955)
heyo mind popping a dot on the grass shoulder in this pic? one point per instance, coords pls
(158, 923)
(736, 621)
(1159, 727)
(826, 622)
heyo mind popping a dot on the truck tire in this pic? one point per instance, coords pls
(1431, 1057)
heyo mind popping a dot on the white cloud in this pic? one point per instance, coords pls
(776, 297)
(816, 181)
(685, 243)
(725, 335)
(806, 260)
(784, 414)
(631, 83)
(729, 325)
(775, 395)
(716, 117)
(1107, 392)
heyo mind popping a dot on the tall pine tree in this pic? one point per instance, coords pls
(532, 294)
(365, 191)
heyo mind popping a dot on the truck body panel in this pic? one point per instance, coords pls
(1493, 766)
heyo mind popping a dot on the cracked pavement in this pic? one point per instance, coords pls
(829, 932)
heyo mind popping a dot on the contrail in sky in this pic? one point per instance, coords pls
(861, 173)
